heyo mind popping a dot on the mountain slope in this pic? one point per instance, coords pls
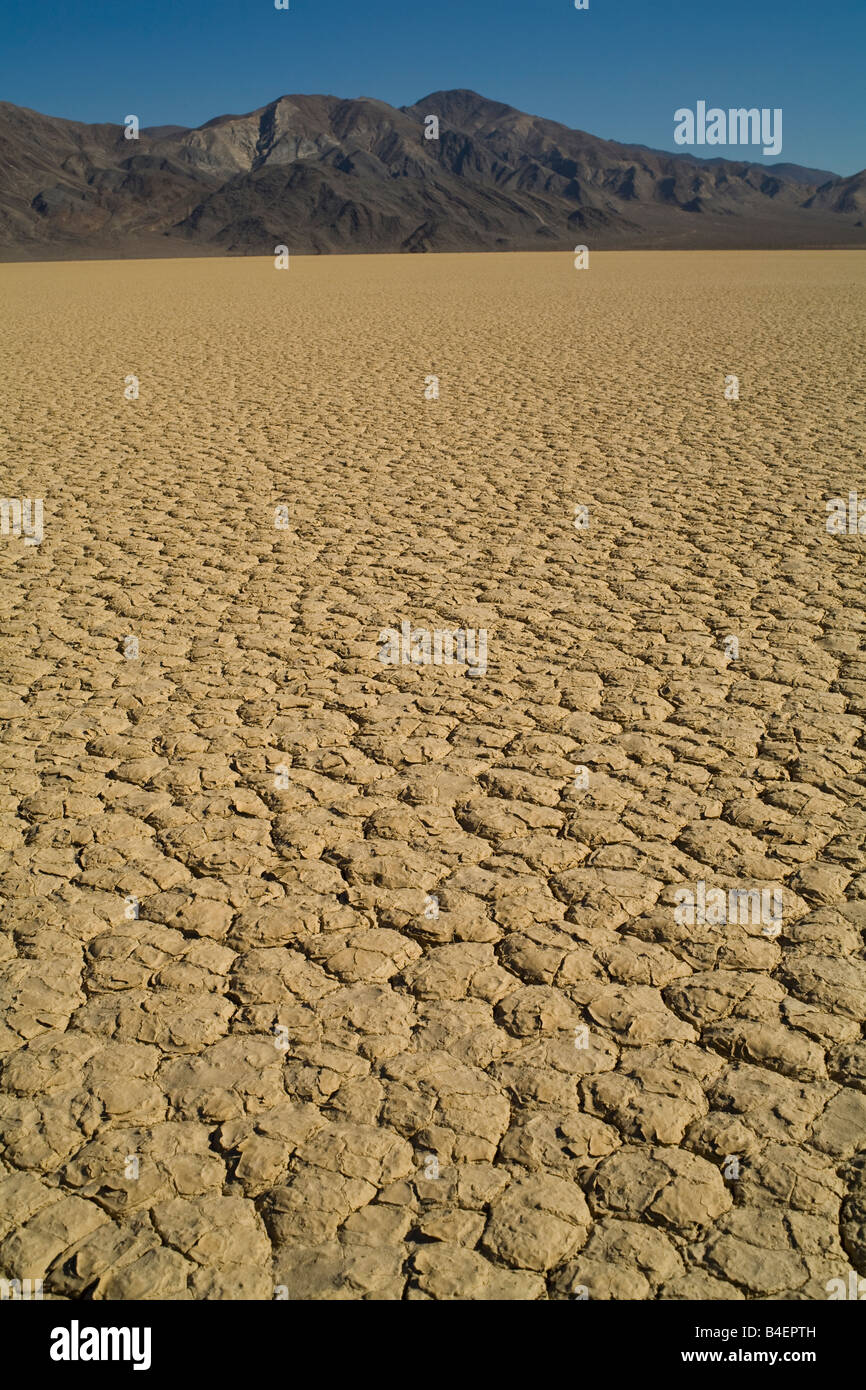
(847, 196)
(321, 173)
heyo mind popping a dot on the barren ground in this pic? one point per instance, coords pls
(425, 946)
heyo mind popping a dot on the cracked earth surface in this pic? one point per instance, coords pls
(250, 1086)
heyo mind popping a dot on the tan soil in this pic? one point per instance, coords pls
(151, 1045)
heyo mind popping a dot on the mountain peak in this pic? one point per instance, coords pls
(460, 101)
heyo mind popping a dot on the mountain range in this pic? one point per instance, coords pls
(326, 174)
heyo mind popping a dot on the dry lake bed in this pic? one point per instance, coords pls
(433, 781)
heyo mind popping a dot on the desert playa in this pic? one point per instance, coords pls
(326, 977)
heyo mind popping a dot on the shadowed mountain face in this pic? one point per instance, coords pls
(323, 174)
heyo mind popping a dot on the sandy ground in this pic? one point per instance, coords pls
(409, 1008)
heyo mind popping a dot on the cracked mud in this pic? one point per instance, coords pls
(417, 1017)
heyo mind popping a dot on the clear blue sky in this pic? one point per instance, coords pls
(618, 69)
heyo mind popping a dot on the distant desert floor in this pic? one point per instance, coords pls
(327, 978)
